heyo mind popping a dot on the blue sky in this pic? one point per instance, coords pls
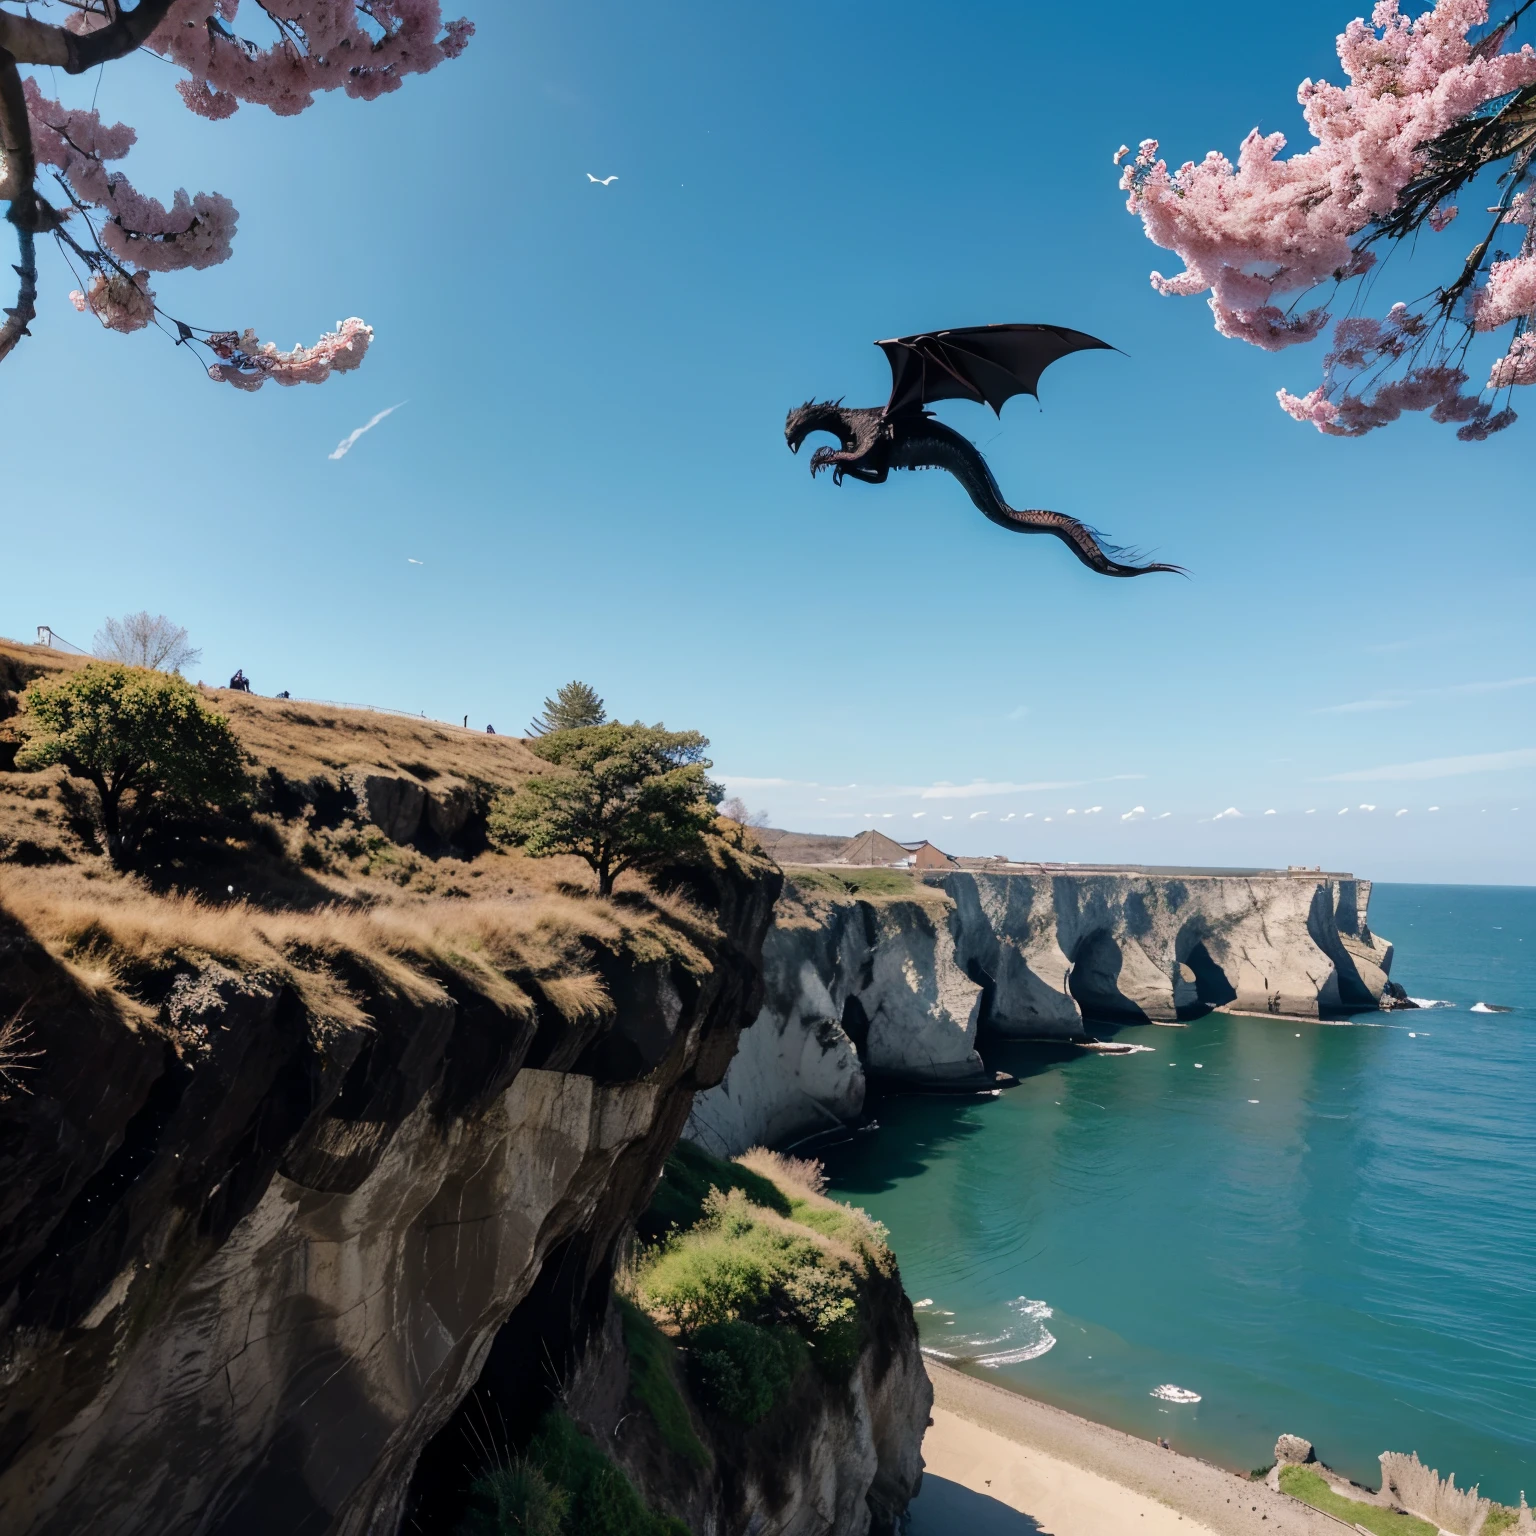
(589, 460)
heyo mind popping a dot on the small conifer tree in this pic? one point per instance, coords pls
(622, 797)
(576, 705)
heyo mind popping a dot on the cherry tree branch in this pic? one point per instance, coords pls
(16, 188)
(29, 41)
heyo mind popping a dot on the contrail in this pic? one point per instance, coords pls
(345, 445)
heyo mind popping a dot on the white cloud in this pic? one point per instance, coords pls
(1492, 687)
(1010, 815)
(1231, 811)
(918, 815)
(975, 814)
(1312, 812)
(1361, 706)
(1367, 807)
(944, 791)
(1161, 815)
(344, 447)
(1439, 767)
(1093, 810)
(1402, 812)
(1028, 815)
(1344, 811)
(1135, 810)
(1072, 813)
(949, 818)
(1434, 807)
(1269, 812)
(1047, 818)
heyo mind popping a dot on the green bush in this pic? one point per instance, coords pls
(602, 1500)
(515, 1499)
(653, 1383)
(1312, 1488)
(133, 731)
(743, 1369)
(745, 1264)
(686, 1181)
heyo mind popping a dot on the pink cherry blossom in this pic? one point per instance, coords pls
(364, 48)
(1518, 365)
(1510, 294)
(248, 362)
(1270, 226)
(120, 302)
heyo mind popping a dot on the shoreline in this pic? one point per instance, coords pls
(1079, 1478)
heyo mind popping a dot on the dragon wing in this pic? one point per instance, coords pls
(985, 363)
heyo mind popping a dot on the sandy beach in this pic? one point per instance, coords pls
(1006, 1465)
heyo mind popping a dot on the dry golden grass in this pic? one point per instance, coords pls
(320, 907)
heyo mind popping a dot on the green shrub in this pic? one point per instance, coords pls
(515, 1499)
(1500, 1518)
(686, 1181)
(743, 1369)
(1312, 1488)
(132, 731)
(653, 1383)
(742, 1263)
(602, 1500)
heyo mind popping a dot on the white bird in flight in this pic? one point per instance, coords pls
(601, 181)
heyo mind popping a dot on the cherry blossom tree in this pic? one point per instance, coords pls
(55, 162)
(1427, 116)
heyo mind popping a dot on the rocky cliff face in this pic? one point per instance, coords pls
(897, 988)
(251, 1261)
(852, 986)
(1056, 950)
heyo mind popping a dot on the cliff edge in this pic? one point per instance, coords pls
(880, 974)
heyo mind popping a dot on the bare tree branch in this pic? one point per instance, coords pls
(37, 42)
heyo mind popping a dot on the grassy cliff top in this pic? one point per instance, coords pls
(301, 884)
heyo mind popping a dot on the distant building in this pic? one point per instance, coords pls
(872, 847)
(925, 856)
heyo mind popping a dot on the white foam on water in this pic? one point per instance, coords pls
(1172, 1394)
(1430, 1002)
(1489, 1008)
(1037, 1338)
(938, 1354)
(927, 1301)
(1045, 1343)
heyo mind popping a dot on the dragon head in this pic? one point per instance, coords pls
(818, 416)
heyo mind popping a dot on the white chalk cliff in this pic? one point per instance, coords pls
(895, 988)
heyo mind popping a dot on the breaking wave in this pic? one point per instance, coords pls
(1430, 1002)
(1489, 1008)
(1172, 1394)
(1028, 1339)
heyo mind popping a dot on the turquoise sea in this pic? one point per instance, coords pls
(1318, 1228)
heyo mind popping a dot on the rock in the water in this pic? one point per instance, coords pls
(1290, 1449)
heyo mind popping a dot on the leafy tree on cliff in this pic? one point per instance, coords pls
(622, 797)
(1426, 113)
(574, 706)
(137, 640)
(130, 731)
(118, 235)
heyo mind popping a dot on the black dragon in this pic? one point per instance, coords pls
(985, 363)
